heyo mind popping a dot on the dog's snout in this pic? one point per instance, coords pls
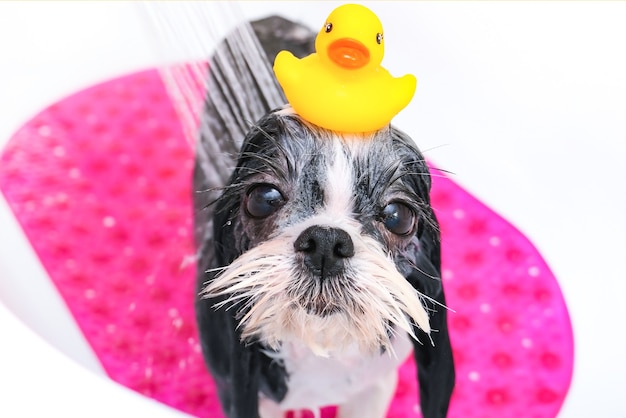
(325, 249)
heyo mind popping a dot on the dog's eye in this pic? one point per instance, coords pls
(263, 200)
(398, 218)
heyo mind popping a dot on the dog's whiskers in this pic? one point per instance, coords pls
(275, 304)
(418, 268)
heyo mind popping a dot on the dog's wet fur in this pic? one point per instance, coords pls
(319, 271)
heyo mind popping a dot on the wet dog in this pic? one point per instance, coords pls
(319, 271)
(326, 274)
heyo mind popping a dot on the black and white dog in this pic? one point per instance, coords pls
(324, 274)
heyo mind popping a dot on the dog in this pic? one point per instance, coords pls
(326, 273)
(318, 266)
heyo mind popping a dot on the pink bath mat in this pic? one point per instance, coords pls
(101, 185)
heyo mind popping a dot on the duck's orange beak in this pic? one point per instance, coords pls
(348, 53)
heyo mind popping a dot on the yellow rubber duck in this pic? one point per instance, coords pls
(342, 86)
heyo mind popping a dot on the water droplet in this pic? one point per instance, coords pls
(527, 342)
(58, 151)
(108, 221)
(44, 130)
(533, 271)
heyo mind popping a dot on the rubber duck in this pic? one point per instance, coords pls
(342, 86)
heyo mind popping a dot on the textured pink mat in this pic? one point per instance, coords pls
(100, 183)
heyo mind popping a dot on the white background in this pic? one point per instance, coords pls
(524, 102)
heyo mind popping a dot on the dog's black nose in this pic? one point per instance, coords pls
(325, 249)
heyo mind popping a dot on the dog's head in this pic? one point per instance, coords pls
(318, 236)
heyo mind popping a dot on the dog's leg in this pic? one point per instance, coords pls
(373, 402)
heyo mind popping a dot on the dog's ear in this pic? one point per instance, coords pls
(239, 369)
(433, 353)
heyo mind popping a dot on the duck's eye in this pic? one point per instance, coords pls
(263, 200)
(379, 38)
(328, 27)
(398, 218)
